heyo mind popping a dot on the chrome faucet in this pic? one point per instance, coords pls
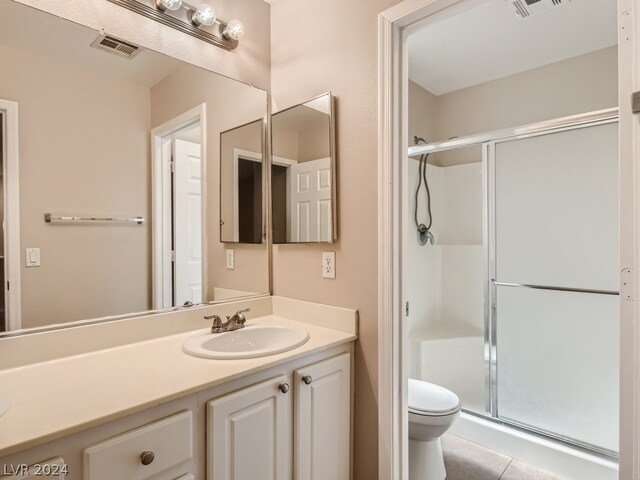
(234, 322)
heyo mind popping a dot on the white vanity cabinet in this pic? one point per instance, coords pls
(289, 421)
(294, 425)
(323, 419)
(249, 433)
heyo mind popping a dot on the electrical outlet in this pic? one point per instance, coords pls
(231, 259)
(328, 264)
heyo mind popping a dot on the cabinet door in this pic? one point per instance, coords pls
(249, 433)
(323, 420)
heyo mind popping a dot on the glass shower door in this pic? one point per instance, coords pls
(553, 284)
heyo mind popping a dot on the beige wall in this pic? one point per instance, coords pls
(301, 145)
(422, 113)
(318, 48)
(248, 63)
(314, 143)
(301, 133)
(229, 104)
(581, 84)
(83, 150)
(284, 142)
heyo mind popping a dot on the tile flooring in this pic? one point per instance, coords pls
(468, 461)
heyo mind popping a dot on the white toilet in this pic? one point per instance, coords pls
(432, 410)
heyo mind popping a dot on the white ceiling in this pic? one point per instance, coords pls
(30, 30)
(489, 42)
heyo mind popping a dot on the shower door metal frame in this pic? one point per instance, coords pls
(488, 141)
(591, 119)
(488, 242)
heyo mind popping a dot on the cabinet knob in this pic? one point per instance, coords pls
(147, 457)
(284, 387)
(307, 379)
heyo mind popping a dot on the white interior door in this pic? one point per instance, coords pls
(311, 201)
(187, 222)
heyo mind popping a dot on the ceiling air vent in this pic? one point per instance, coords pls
(526, 8)
(116, 46)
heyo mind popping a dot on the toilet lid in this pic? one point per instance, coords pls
(429, 398)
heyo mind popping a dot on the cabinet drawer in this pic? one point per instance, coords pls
(169, 440)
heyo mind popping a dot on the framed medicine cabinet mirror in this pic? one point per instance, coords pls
(241, 177)
(110, 177)
(303, 173)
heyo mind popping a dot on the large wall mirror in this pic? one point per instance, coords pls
(120, 145)
(303, 173)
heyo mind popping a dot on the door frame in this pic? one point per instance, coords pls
(286, 163)
(161, 185)
(11, 172)
(240, 153)
(394, 26)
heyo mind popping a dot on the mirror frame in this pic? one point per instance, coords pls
(334, 170)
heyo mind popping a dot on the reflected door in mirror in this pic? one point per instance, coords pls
(187, 230)
(303, 173)
(241, 179)
(249, 201)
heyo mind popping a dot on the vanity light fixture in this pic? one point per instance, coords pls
(234, 30)
(200, 22)
(204, 15)
(169, 4)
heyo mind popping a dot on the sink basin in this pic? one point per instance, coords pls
(255, 340)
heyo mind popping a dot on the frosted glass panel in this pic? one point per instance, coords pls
(557, 358)
(557, 209)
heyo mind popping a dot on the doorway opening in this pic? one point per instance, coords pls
(395, 239)
(178, 165)
(10, 258)
(3, 319)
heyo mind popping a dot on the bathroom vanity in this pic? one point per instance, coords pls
(122, 404)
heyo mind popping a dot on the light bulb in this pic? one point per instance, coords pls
(234, 30)
(204, 15)
(169, 4)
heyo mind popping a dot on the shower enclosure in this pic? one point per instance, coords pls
(549, 362)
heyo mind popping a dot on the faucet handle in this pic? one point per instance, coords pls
(239, 317)
(217, 325)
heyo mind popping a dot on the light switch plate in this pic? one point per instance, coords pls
(635, 102)
(32, 257)
(328, 264)
(231, 259)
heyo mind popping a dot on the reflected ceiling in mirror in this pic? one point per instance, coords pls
(303, 173)
(108, 136)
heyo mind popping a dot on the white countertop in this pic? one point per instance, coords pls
(66, 395)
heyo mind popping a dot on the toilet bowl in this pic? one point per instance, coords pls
(432, 410)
